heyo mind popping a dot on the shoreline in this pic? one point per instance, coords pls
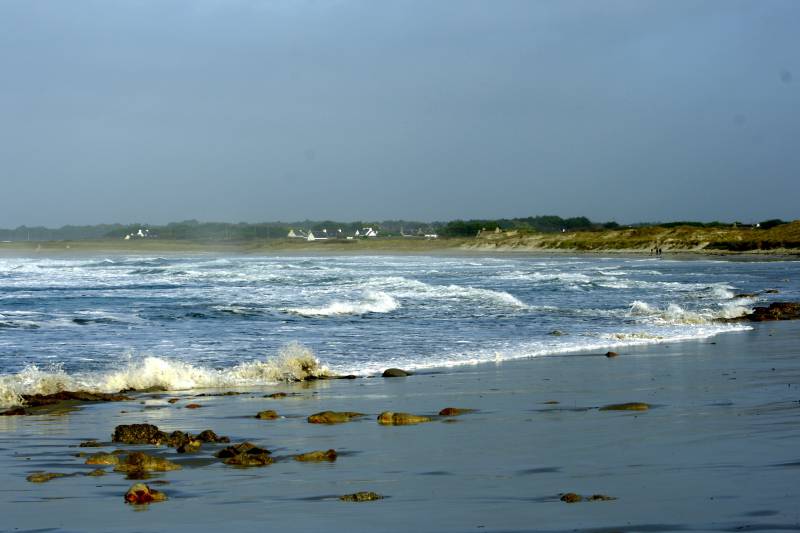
(721, 413)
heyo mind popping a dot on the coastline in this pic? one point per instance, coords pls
(721, 413)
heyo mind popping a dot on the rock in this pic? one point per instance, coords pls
(361, 497)
(611, 354)
(91, 444)
(333, 417)
(97, 472)
(139, 434)
(746, 295)
(43, 477)
(208, 435)
(139, 493)
(141, 462)
(454, 411)
(173, 400)
(244, 447)
(389, 418)
(318, 455)
(267, 415)
(395, 373)
(771, 291)
(557, 333)
(775, 311)
(103, 459)
(601, 498)
(177, 439)
(276, 395)
(249, 459)
(37, 400)
(631, 406)
(191, 446)
(571, 497)
(14, 411)
(551, 402)
(193, 406)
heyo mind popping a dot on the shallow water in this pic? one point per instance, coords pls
(185, 321)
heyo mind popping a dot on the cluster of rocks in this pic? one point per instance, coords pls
(775, 311)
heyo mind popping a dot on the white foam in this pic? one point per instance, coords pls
(293, 362)
(675, 314)
(373, 302)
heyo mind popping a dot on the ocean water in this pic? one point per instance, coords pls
(183, 322)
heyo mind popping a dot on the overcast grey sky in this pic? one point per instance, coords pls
(236, 110)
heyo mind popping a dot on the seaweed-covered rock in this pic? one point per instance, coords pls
(388, 418)
(97, 472)
(139, 434)
(333, 417)
(36, 400)
(571, 497)
(269, 414)
(193, 406)
(454, 411)
(775, 311)
(276, 395)
(600, 498)
(91, 444)
(630, 406)
(208, 435)
(361, 497)
(43, 477)
(191, 446)
(103, 459)
(244, 447)
(141, 462)
(395, 373)
(249, 459)
(139, 493)
(611, 354)
(317, 455)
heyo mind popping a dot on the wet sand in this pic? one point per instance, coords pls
(717, 451)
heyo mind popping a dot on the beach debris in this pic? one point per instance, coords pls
(193, 406)
(611, 354)
(333, 417)
(317, 455)
(269, 414)
(630, 406)
(141, 462)
(775, 311)
(389, 418)
(571, 497)
(103, 459)
(361, 497)
(455, 411)
(139, 494)
(395, 373)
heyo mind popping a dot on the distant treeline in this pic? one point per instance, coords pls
(242, 231)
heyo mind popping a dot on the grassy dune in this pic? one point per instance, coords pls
(783, 239)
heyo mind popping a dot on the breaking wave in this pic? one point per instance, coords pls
(294, 362)
(373, 302)
(675, 314)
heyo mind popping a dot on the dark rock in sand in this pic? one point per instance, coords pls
(193, 406)
(238, 449)
(600, 498)
(395, 373)
(361, 497)
(611, 354)
(631, 406)
(97, 472)
(37, 400)
(141, 462)
(43, 477)
(454, 411)
(14, 411)
(91, 444)
(267, 415)
(173, 400)
(318, 455)
(276, 395)
(139, 434)
(139, 493)
(775, 311)
(571, 497)
(746, 295)
(333, 417)
(388, 418)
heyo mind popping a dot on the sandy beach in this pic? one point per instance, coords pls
(716, 451)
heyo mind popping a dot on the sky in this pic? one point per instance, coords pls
(256, 110)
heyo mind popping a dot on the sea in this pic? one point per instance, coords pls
(181, 322)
